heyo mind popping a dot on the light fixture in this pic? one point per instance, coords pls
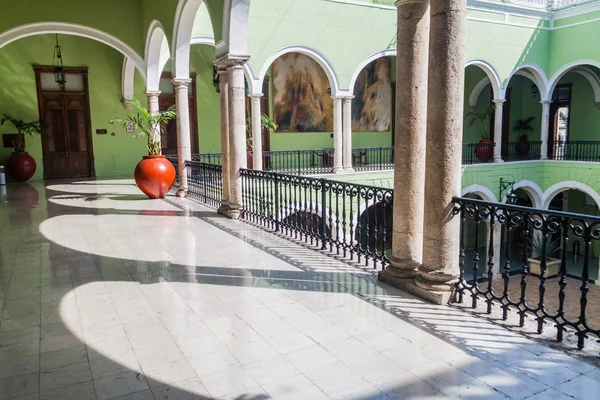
(57, 64)
(511, 197)
(534, 90)
(216, 79)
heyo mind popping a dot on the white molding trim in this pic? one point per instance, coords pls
(492, 75)
(235, 15)
(185, 15)
(312, 53)
(480, 190)
(367, 61)
(157, 54)
(127, 79)
(576, 10)
(533, 72)
(67, 28)
(203, 39)
(504, 8)
(533, 190)
(563, 186)
(363, 4)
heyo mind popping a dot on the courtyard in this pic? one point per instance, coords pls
(105, 294)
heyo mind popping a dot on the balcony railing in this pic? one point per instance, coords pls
(297, 161)
(534, 247)
(576, 151)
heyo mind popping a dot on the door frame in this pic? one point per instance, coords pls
(38, 70)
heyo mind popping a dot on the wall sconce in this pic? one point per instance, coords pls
(216, 81)
(534, 90)
(511, 197)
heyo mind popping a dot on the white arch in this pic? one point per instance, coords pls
(476, 92)
(367, 61)
(127, 79)
(559, 187)
(157, 54)
(480, 190)
(182, 36)
(533, 190)
(235, 15)
(67, 28)
(492, 75)
(314, 54)
(581, 67)
(533, 72)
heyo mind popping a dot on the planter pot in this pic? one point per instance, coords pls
(250, 159)
(154, 175)
(484, 150)
(552, 267)
(523, 148)
(21, 166)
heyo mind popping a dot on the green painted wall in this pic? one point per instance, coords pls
(208, 103)
(114, 155)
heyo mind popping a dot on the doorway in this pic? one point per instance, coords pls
(66, 124)
(560, 119)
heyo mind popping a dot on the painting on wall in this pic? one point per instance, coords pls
(372, 103)
(301, 95)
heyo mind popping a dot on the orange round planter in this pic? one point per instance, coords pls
(154, 175)
(21, 166)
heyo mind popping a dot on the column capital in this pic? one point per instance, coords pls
(231, 61)
(255, 96)
(152, 93)
(545, 102)
(337, 98)
(399, 3)
(179, 82)
(499, 102)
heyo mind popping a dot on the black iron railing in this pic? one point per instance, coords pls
(298, 161)
(533, 249)
(522, 150)
(478, 153)
(173, 159)
(373, 158)
(349, 219)
(575, 151)
(205, 183)
(207, 158)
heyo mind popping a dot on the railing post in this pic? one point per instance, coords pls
(323, 216)
(203, 169)
(276, 203)
(298, 160)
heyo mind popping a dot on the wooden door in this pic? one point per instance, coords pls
(66, 125)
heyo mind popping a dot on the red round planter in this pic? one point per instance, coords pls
(21, 166)
(484, 150)
(154, 175)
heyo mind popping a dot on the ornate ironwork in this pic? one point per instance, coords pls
(518, 226)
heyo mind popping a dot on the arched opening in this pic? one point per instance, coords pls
(77, 140)
(575, 88)
(373, 110)
(157, 55)
(481, 88)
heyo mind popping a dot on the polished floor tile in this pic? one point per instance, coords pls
(105, 294)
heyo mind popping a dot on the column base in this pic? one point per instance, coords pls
(409, 286)
(232, 211)
(544, 158)
(438, 282)
(498, 160)
(181, 192)
(348, 169)
(338, 170)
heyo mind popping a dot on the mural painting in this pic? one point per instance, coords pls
(372, 103)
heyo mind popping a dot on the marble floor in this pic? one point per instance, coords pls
(105, 294)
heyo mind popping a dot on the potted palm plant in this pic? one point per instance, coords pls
(154, 174)
(537, 245)
(265, 122)
(523, 126)
(485, 148)
(20, 165)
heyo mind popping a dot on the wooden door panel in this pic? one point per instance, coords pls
(56, 162)
(79, 155)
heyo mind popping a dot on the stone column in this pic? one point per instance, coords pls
(237, 130)
(545, 127)
(347, 133)
(439, 270)
(337, 136)
(152, 98)
(498, 114)
(256, 132)
(224, 100)
(409, 160)
(184, 150)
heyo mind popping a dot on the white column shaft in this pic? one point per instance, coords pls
(545, 128)
(498, 114)
(184, 150)
(256, 133)
(337, 135)
(347, 133)
(152, 97)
